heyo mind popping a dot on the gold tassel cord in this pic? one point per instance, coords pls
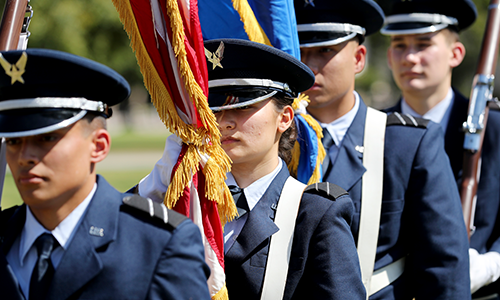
(294, 163)
(252, 27)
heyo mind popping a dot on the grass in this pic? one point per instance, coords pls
(122, 180)
(135, 141)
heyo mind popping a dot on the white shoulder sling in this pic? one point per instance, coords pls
(281, 242)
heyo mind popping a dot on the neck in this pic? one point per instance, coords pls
(424, 100)
(247, 173)
(335, 109)
(50, 216)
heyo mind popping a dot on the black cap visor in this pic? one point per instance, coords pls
(28, 122)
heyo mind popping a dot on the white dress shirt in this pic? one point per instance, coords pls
(22, 255)
(440, 113)
(339, 127)
(253, 193)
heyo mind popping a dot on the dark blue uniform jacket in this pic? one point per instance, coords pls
(421, 215)
(486, 236)
(323, 263)
(139, 257)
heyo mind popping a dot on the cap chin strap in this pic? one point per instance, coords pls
(249, 82)
(438, 22)
(243, 104)
(330, 42)
(50, 128)
(48, 102)
(421, 18)
(333, 27)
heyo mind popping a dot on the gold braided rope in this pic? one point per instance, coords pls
(294, 162)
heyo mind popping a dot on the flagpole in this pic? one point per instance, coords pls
(12, 25)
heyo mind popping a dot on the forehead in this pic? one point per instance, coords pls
(418, 37)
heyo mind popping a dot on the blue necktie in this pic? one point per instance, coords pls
(240, 200)
(327, 141)
(43, 270)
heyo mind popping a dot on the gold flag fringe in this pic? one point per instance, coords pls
(252, 27)
(294, 162)
(201, 140)
(222, 294)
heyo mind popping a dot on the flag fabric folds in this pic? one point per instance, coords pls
(166, 38)
(270, 22)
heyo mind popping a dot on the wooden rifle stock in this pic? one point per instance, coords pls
(12, 23)
(475, 126)
(11, 27)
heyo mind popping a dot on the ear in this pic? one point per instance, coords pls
(286, 119)
(458, 54)
(389, 61)
(101, 141)
(359, 58)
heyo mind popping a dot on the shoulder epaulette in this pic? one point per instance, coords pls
(406, 120)
(155, 210)
(326, 189)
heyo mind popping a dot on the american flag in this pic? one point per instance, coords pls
(167, 40)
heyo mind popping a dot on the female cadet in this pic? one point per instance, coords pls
(252, 87)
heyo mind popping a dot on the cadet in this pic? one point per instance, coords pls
(251, 96)
(424, 49)
(75, 236)
(408, 224)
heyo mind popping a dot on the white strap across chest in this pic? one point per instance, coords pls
(280, 248)
(371, 192)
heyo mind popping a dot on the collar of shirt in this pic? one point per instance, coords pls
(435, 114)
(33, 229)
(254, 191)
(339, 127)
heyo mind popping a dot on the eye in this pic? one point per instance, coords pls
(48, 137)
(12, 141)
(244, 107)
(325, 50)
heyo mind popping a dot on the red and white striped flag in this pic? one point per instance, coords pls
(167, 40)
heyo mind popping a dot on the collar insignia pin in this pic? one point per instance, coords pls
(216, 57)
(15, 70)
(96, 231)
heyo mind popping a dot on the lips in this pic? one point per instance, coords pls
(30, 179)
(227, 140)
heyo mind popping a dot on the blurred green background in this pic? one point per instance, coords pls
(91, 28)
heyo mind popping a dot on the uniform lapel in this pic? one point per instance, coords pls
(81, 262)
(9, 286)
(259, 225)
(348, 166)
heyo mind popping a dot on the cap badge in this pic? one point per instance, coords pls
(215, 57)
(15, 70)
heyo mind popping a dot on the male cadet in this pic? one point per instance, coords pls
(76, 237)
(403, 189)
(424, 49)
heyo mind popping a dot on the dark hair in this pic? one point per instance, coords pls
(288, 137)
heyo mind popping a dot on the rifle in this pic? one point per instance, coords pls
(13, 35)
(475, 126)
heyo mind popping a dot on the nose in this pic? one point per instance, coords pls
(309, 60)
(27, 153)
(224, 120)
(411, 55)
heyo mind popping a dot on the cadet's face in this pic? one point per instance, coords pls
(421, 62)
(334, 68)
(250, 134)
(50, 168)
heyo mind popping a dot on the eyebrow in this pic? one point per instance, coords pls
(419, 38)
